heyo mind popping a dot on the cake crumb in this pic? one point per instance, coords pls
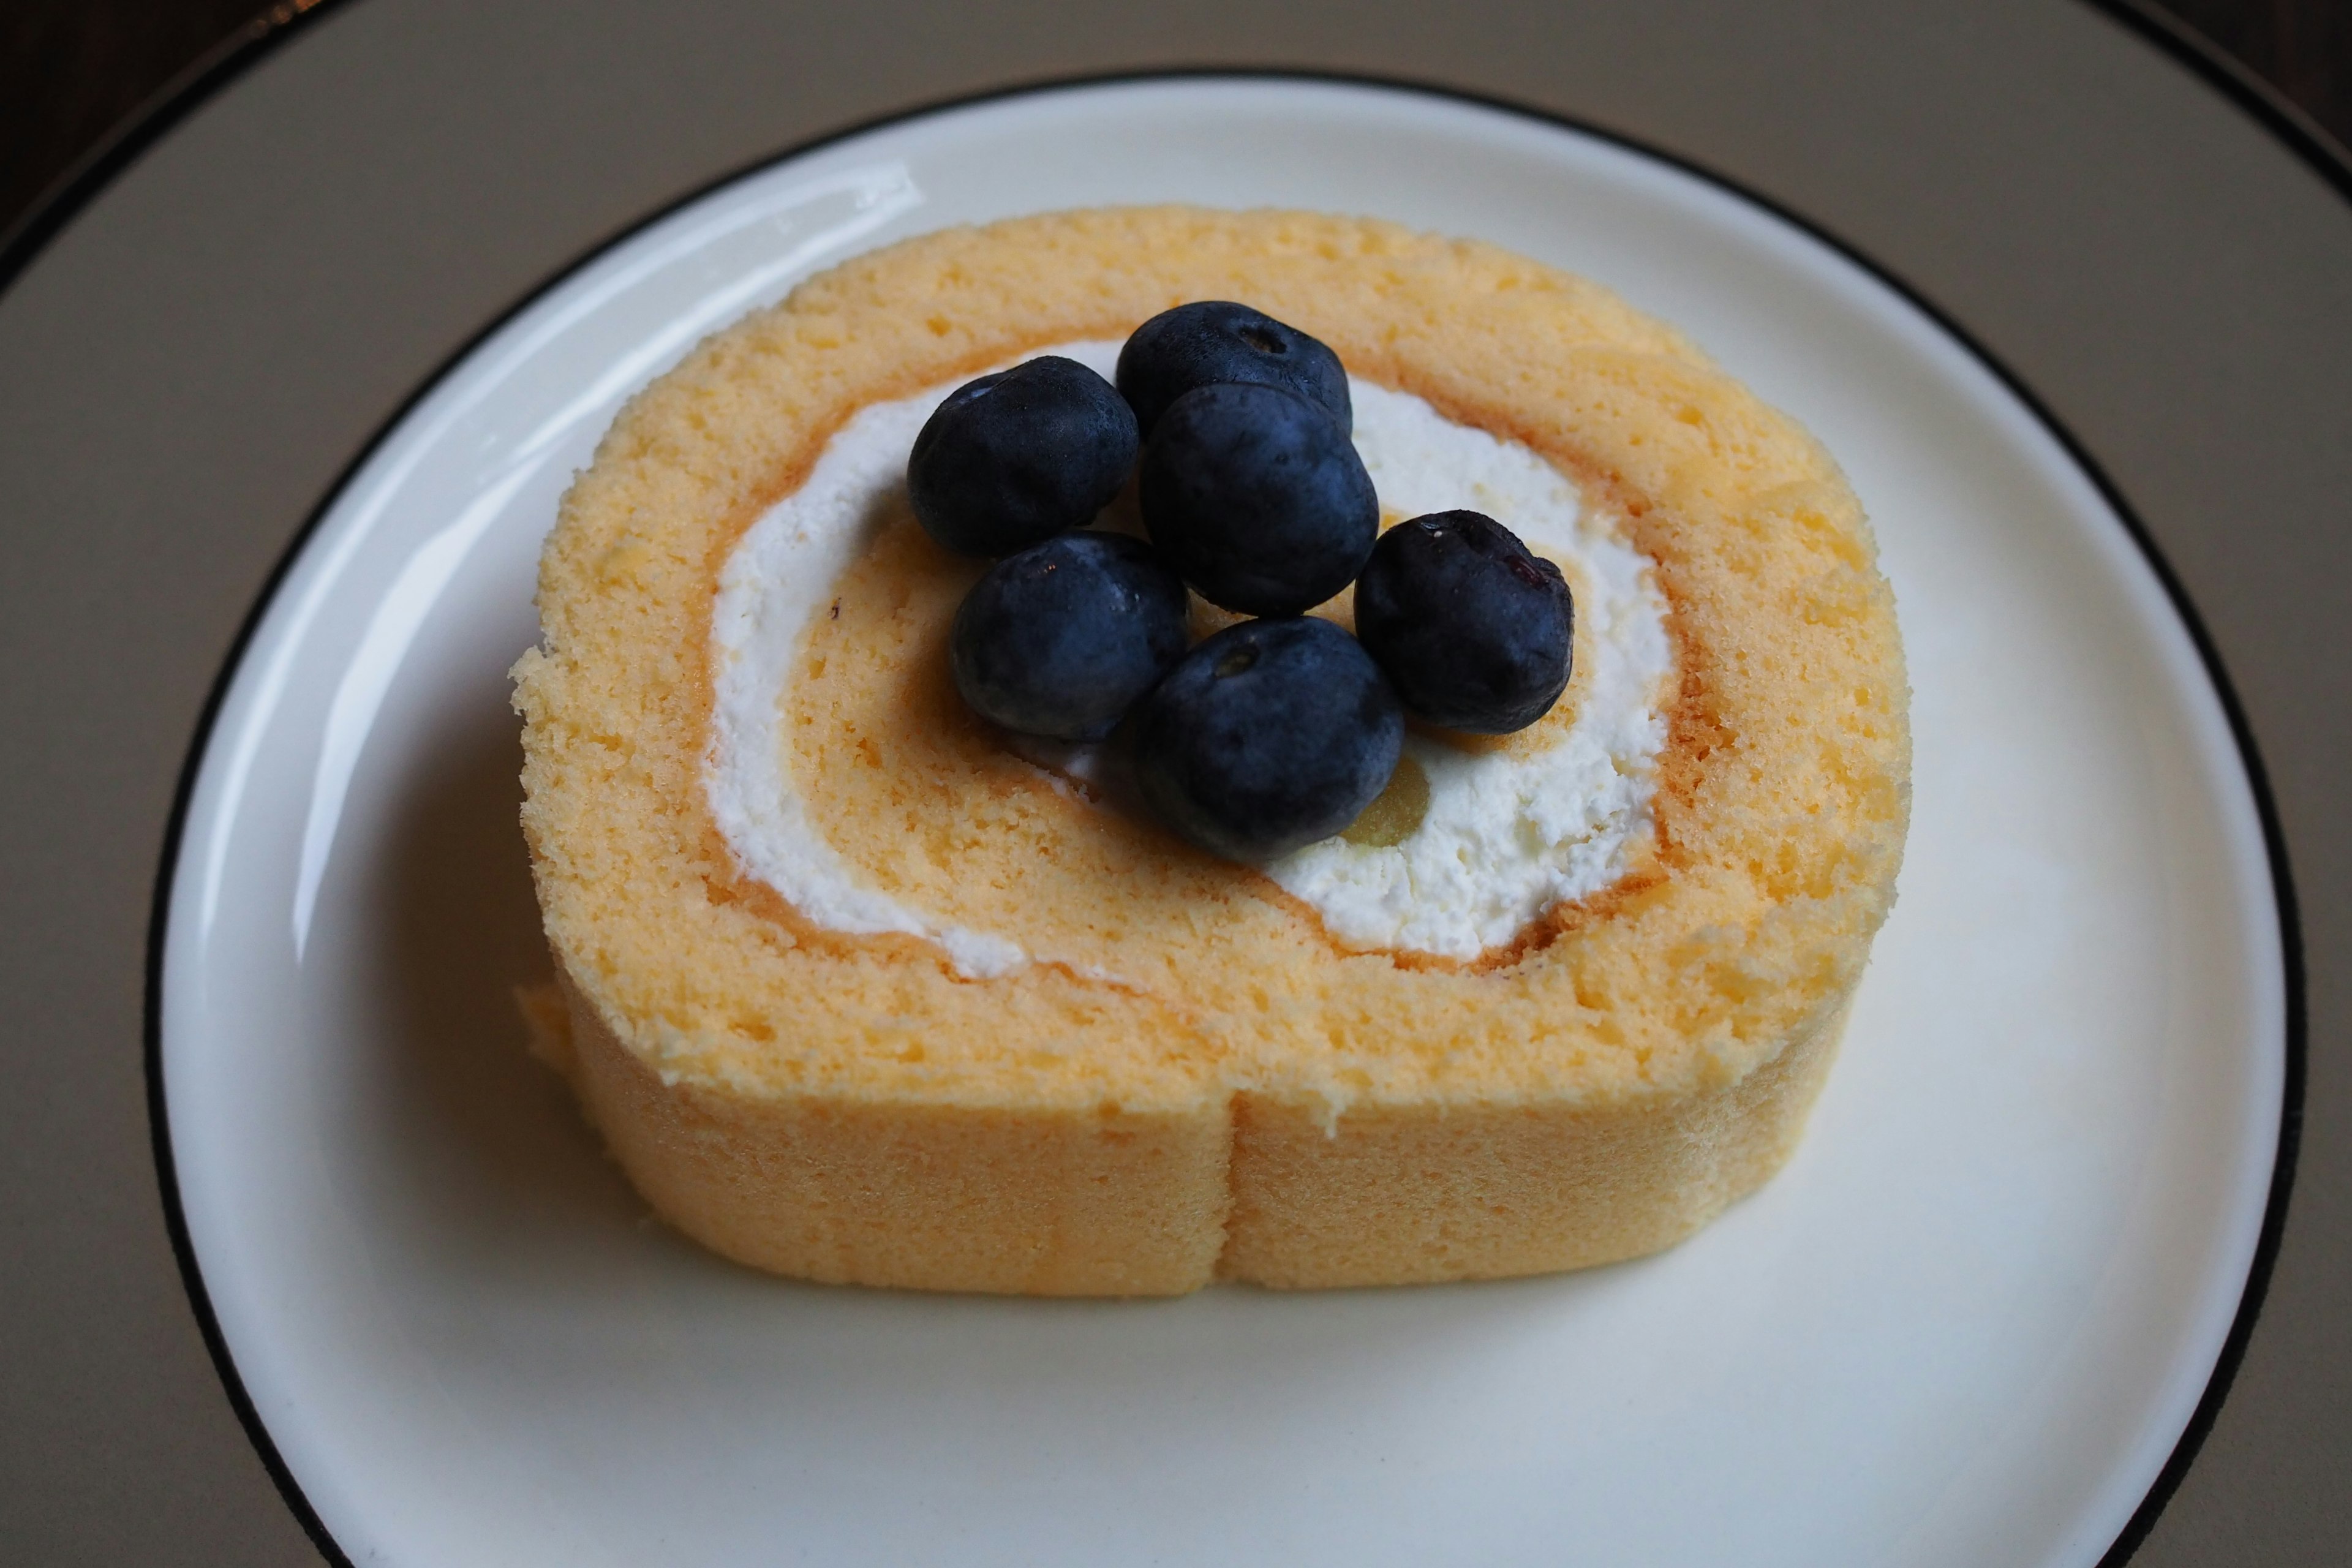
(547, 1025)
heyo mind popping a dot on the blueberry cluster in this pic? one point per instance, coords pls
(1275, 733)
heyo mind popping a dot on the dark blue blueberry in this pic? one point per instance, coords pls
(1258, 499)
(1062, 638)
(1021, 456)
(1212, 341)
(1472, 629)
(1267, 737)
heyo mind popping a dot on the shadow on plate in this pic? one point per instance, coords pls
(498, 1169)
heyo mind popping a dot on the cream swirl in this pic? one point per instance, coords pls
(1506, 834)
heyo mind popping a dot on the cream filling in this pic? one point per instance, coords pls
(1505, 837)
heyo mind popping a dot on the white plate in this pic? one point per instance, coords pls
(1965, 1326)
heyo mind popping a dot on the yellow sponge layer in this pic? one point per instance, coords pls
(1207, 1086)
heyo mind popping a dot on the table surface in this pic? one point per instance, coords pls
(2170, 271)
(73, 71)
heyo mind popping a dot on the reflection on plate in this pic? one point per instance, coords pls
(1966, 1325)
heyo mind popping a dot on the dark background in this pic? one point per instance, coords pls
(71, 71)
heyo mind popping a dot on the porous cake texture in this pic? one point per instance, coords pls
(1193, 1081)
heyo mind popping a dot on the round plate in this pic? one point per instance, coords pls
(1966, 1325)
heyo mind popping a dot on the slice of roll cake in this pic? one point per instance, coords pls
(859, 990)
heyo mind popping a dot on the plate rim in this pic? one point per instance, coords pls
(25, 242)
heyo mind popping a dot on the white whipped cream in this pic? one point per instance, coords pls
(1505, 836)
(782, 571)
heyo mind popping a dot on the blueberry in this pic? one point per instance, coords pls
(1212, 341)
(1471, 627)
(1258, 499)
(1267, 737)
(1021, 456)
(1062, 638)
